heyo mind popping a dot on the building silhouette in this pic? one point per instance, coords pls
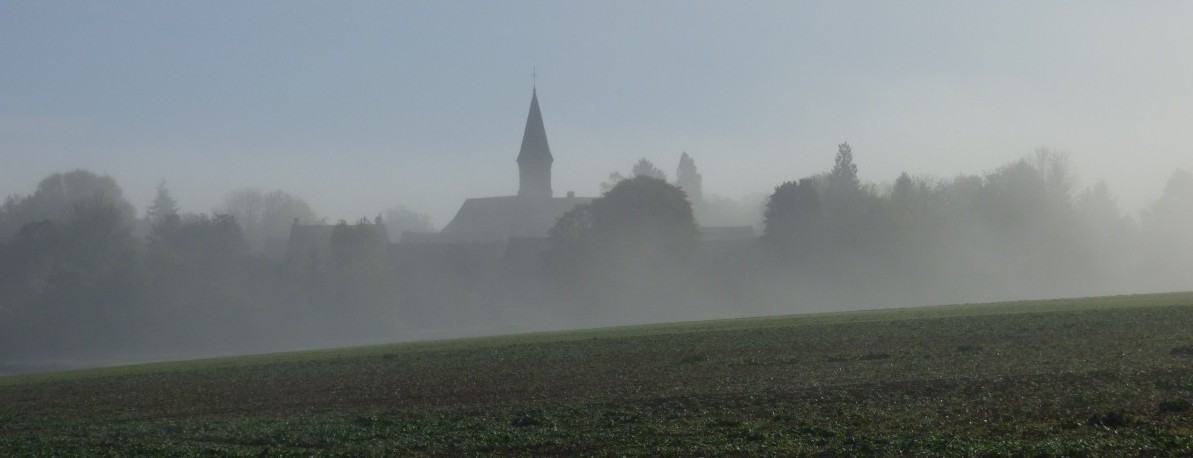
(487, 262)
(528, 214)
(488, 230)
(534, 159)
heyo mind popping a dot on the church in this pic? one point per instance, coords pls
(488, 230)
(527, 215)
(488, 258)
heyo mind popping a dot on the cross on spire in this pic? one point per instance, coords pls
(534, 76)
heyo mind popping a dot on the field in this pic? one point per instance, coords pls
(1103, 376)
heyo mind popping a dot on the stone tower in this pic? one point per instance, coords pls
(534, 160)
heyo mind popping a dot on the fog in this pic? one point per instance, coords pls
(87, 280)
(175, 175)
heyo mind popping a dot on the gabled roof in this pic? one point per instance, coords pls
(497, 219)
(534, 138)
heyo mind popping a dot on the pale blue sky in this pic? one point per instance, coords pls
(357, 106)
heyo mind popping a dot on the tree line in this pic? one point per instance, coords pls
(1023, 230)
(83, 277)
(1027, 229)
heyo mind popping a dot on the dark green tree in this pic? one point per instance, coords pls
(794, 216)
(641, 168)
(631, 245)
(58, 195)
(645, 168)
(645, 217)
(845, 202)
(73, 286)
(571, 246)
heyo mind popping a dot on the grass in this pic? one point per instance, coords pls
(1098, 376)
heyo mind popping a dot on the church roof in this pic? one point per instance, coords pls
(530, 214)
(534, 138)
(497, 219)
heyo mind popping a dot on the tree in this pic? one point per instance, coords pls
(689, 180)
(73, 284)
(642, 217)
(1106, 236)
(642, 168)
(266, 217)
(904, 186)
(845, 203)
(1059, 180)
(201, 236)
(162, 215)
(1016, 201)
(645, 168)
(58, 195)
(793, 216)
(630, 246)
(1168, 231)
(356, 245)
(399, 219)
(359, 284)
(1175, 206)
(573, 230)
(614, 178)
(571, 246)
(196, 262)
(843, 176)
(645, 216)
(164, 206)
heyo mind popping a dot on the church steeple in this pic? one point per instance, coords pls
(534, 159)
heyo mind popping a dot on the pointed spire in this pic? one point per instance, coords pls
(534, 138)
(534, 159)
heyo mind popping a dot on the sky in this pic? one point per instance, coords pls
(360, 106)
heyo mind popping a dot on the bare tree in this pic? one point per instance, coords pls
(266, 216)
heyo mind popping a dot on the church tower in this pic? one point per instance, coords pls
(534, 160)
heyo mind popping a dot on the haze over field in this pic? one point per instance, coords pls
(359, 107)
(173, 174)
